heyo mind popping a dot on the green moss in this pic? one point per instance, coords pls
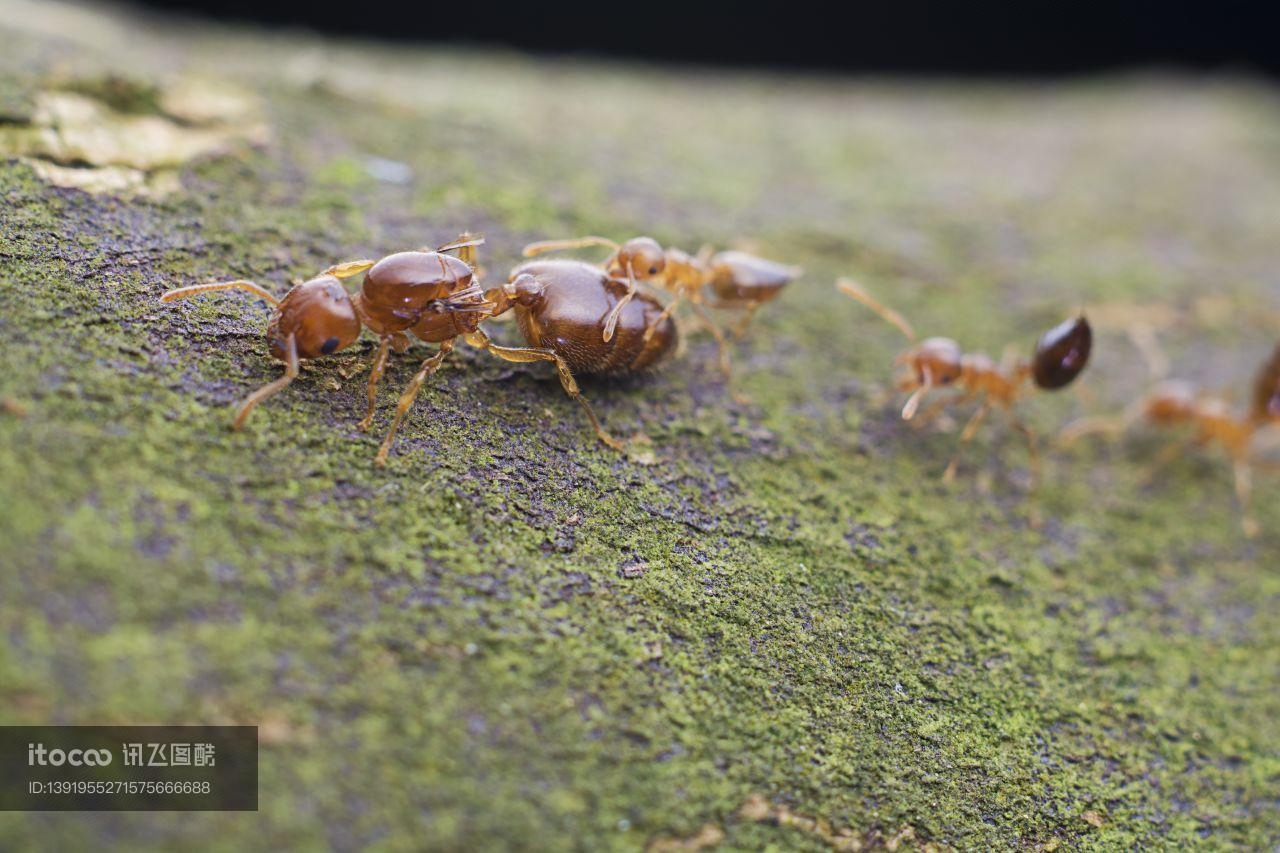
(511, 636)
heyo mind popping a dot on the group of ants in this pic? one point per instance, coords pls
(605, 319)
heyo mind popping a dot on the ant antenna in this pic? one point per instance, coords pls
(579, 243)
(192, 290)
(462, 243)
(851, 288)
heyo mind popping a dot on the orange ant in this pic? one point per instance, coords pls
(1174, 402)
(737, 279)
(1060, 356)
(429, 294)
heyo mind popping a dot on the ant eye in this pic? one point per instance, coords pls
(653, 270)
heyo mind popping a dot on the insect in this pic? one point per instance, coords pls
(1173, 403)
(736, 279)
(1060, 356)
(430, 295)
(561, 307)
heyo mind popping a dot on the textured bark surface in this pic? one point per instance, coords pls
(774, 625)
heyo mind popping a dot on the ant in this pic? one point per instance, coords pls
(1174, 402)
(1060, 356)
(562, 308)
(432, 295)
(737, 280)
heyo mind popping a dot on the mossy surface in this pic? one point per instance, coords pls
(513, 637)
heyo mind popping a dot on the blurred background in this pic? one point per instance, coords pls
(925, 36)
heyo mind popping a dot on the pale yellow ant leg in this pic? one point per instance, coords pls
(852, 289)
(661, 318)
(740, 330)
(375, 376)
(966, 435)
(1244, 494)
(348, 269)
(560, 245)
(192, 290)
(1167, 454)
(429, 366)
(722, 352)
(480, 340)
(611, 319)
(913, 402)
(937, 408)
(290, 373)
(1112, 426)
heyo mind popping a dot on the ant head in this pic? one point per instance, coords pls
(1062, 353)
(644, 255)
(941, 358)
(1266, 390)
(320, 316)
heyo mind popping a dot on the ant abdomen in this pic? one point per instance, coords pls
(576, 298)
(320, 317)
(1062, 353)
(737, 277)
(1266, 391)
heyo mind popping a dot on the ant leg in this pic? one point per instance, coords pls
(937, 408)
(658, 321)
(611, 319)
(913, 402)
(722, 353)
(480, 340)
(740, 330)
(1244, 494)
(970, 430)
(348, 269)
(290, 373)
(851, 288)
(1112, 426)
(375, 376)
(558, 245)
(1167, 454)
(192, 290)
(429, 366)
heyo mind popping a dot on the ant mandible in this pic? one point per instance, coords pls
(1060, 356)
(429, 294)
(561, 308)
(737, 279)
(1174, 402)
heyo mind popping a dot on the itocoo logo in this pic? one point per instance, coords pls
(37, 754)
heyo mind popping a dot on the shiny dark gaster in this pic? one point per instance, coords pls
(1062, 353)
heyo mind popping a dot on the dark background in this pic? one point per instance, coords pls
(926, 36)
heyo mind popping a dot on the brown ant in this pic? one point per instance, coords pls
(562, 307)
(1174, 402)
(429, 294)
(736, 279)
(1060, 355)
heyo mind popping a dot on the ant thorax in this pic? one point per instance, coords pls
(400, 289)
